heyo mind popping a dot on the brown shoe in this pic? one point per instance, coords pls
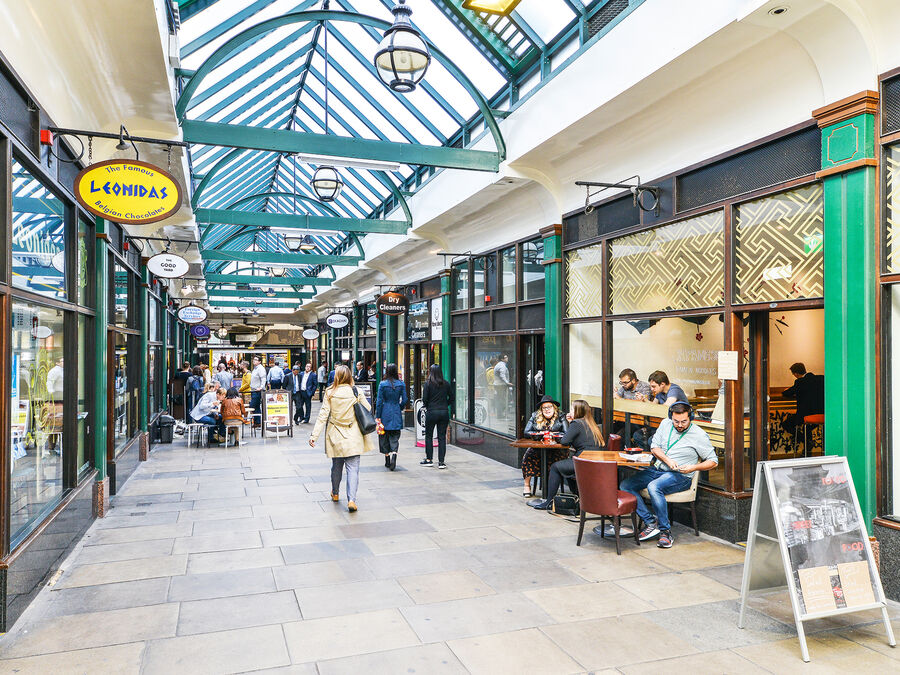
(351, 506)
(335, 498)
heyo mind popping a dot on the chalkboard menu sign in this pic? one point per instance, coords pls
(806, 513)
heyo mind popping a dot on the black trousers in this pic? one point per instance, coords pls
(389, 441)
(304, 405)
(321, 390)
(441, 421)
(564, 469)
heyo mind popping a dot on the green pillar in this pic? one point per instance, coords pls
(848, 173)
(553, 310)
(446, 342)
(101, 286)
(379, 361)
(143, 323)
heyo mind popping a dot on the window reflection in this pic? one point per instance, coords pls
(38, 237)
(478, 281)
(85, 361)
(38, 369)
(461, 275)
(508, 274)
(125, 389)
(495, 388)
(120, 295)
(533, 270)
(461, 375)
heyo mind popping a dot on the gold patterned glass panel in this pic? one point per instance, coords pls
(677, 266)
(778, 247)
(892, 209)
(584, 282)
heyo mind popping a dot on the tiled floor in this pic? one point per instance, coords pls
(224, 561)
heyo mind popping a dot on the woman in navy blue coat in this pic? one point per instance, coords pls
(390, 401)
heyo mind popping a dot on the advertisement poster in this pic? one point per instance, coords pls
(418, 322)
(437, 321)
(277, 410)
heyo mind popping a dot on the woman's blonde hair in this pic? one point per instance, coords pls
(581, 410)
(542, 422)
(342, 375)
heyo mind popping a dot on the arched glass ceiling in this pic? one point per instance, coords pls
(277, 81)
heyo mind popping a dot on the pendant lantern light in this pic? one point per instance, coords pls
(403, 56)
(326, 181)
(277, 271)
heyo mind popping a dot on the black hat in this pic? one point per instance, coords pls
(548, 399)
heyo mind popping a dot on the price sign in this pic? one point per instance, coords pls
(806, 513)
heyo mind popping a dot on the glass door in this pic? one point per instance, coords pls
(532, 374)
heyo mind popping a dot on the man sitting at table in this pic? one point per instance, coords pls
(631, 389)
(679, 449)
(809, 391)
(663, 392)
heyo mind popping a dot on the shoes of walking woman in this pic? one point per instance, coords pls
(441, 465)
(335, 498)
(351, 506)
(392, 463)
(426, 462)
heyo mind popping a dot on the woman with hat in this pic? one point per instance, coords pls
(545, 418)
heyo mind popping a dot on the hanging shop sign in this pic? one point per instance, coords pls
(128, 191)
(372, 321)
(192, 314)
(200, 331)
(808, 532)
(437, 321)
(392, 304)
(310, 334)
(167, 266)
(337, 321)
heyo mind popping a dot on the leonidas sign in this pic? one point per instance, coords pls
(128, 191)
(393, 304)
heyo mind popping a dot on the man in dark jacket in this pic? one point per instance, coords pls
(809, 391)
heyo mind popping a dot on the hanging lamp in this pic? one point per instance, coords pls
(326, 181)
(403, 56)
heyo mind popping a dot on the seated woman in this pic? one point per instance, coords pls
(233, 413)
(583, 434)
(546, 418)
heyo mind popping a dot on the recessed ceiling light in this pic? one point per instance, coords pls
(778, 11)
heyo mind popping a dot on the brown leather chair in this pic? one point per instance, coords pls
(599, 493)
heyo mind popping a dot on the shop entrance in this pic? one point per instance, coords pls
(777, 400)
(420, 357)
(532, 374)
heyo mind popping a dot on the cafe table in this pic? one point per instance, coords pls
(538, 444)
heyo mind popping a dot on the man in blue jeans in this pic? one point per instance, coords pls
(679, 449)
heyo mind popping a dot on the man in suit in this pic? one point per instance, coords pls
(308, 382)
(809, 391)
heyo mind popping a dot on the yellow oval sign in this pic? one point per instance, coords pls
(128, 191)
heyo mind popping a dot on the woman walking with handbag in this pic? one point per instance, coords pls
(392, 398)
(437, 397)
(345, 439)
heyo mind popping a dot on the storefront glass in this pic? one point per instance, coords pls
(686, 350)
(533, 270)
(586, 362)
(418, 322)
(495, 383)
(508, 275)
(84, 263)
(478, 280)
(152, 365)
(461, 377)
(778, 247)
(584, 282)
(124, 421)
(121, 295)
(677, 266)
(85, 362)
(461, 277)
(36, 467)
(892, 319)
(38, 237)
(891, 235)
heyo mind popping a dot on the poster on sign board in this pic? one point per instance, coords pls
(437, 320)
(807, 531)
(277, 405)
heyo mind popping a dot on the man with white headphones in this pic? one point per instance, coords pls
(679, 449)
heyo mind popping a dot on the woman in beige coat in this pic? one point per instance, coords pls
(344, 442)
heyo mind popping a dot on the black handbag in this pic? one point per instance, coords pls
(565, 504)
(364, 417)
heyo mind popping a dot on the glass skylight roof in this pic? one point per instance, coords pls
(277, 81)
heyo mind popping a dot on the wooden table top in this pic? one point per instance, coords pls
(536, 443)
(609, 456)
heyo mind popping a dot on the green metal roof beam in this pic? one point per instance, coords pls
(272, 258)
(264, 305)
(270, 281)
(254, 293)
(278, 140)
(310, 19)
(300, 221)
(220, 29)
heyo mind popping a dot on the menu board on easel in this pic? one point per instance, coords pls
(277, 412)
(806, 513)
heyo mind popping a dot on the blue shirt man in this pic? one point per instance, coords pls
(679, 448)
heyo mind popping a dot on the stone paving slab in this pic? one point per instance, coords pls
(237, 560)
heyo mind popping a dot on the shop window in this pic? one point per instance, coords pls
(152, 364)
(85, 378)
(38, 237)
(533, 270)
(478, 281)
(686, 350)
(36, 467)
(586, 363)
(122, 295)
(677, 266)
(153, 319)
(584, 282)
(508, 275)
(778, 247)
(85, 263)
(418, 324)
(461, 379)
(892, 209)
(495, 383)
(461, 282)
(892, 444)
(124, 421)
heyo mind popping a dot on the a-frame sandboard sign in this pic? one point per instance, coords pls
(806, 513)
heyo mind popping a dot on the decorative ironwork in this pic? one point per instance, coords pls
(677, 266)
(584, 282)
(778, 247)
(892, 210)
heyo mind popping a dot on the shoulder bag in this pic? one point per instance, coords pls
(364, 417)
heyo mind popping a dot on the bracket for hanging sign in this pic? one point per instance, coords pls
(633, 184)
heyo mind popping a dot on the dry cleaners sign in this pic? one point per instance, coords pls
(128, 191)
